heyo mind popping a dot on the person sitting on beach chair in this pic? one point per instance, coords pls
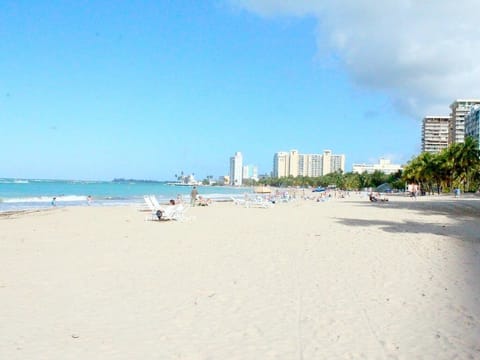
(374, 198)
(159, 214)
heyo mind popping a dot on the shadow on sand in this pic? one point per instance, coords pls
(464, 212)
(463, 227)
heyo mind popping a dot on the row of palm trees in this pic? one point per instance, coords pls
(457, 166)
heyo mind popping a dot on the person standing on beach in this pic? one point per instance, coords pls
(54, 201)
(193, 196)
(457, 192)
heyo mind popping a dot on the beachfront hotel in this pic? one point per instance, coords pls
(435, 133)
(384, 165)
(282, 164)
(460, 109)
(294, 164)
(236, 169)
(472, 123)
(250, 172)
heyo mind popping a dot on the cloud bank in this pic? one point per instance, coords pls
(424, 54)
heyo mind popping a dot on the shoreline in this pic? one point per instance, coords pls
(17, 207)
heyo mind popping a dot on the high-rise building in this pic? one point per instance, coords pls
(250, 172)
(310, 165)
(327, 162)
(435, 133)
(472, 123)
(281, 163)
(294, 164)
(337, 163)
(460, 108)
(236, 169)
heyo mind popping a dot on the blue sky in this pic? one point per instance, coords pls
(146, 89)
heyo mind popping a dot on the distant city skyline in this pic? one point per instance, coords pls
(147, 89)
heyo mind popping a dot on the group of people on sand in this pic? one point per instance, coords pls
(196, 199)
(89, 200)
(374, 197)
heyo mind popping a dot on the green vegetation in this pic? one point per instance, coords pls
(456, 166)
(349, 181)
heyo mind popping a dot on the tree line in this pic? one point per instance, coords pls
(457, 166)
(349, 181)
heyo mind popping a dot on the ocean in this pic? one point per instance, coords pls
(30, 194)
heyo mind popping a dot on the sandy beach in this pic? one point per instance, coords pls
(342, 279)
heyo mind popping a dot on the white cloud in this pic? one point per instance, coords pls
(424, 54)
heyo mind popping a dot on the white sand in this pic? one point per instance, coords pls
(345, 279)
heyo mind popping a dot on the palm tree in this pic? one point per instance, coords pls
(428, 169)
(440, 171)
(411, 171)
(352, 181)
(468, 159)
(459, 163)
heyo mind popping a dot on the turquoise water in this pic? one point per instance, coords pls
(20, 194)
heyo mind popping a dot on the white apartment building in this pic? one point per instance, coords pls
(460, 108)
(294, 159)
(250, 172)
(435, 133)
(384, 165)
(326, 162)
(310, 165)
(281, 163)
(337, 163)
(236, 169)
(294, 164)
(472, 123)
(285, 163)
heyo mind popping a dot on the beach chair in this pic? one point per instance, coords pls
(165, 212)
(155, 202)
(260, 202)
(150, 205)
(238, 201)
(155, 207)
(170, 212)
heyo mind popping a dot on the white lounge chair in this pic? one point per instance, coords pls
(150, 205)
(238, 201)
(167, 212)
(172, 212)
(260, 202)
(155, 202)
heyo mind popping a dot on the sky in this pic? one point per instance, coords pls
(147, 89)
